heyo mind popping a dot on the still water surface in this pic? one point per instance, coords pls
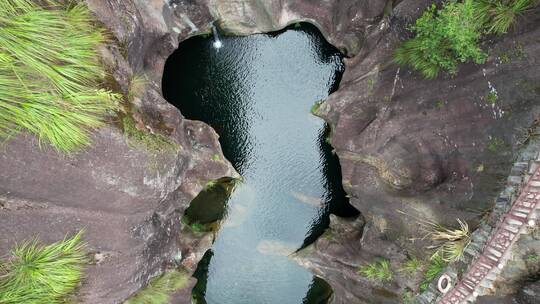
(256, 92)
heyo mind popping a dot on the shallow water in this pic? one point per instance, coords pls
(256, 92)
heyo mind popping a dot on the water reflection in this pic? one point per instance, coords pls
(257, 92)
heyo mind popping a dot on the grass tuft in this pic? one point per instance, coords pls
(452, 242)
(38, 274)
(159, 289)
(499, 15)
(378, 271)
(411, 266)
(137, 86)
(433, 270)
(50, 75)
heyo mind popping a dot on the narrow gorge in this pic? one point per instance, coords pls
(280, 151)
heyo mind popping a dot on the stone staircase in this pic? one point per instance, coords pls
(484, 270)
(515, 212)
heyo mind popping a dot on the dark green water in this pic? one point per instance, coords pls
(256, 92)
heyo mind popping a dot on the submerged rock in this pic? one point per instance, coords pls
(306, 199)
(275, 247)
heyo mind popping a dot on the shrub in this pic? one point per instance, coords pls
(378, 270)
(498, 15)
(38, 274)
(49, 73)
(443, 39)
(158, 290)
(446, 37)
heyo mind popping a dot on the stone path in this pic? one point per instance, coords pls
(485, 268)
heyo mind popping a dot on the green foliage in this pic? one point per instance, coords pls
(198, 227)
(159, 289)
(435, 268)
(211, 183)
(152, 142)
(446, 37)
(494, 144)
(38, 274)
(407, 297)
(411, 266)
(443, 39)
(378, 270)
(316, 107)
(49, 73)
(499, 15)
(371, 86)
(492, 97)
(533, 258)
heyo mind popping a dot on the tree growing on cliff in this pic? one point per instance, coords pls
(50, 75)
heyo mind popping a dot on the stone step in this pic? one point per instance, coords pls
(533, 165)
(494, 251)
(519, 168)
(514, 180)
(511, 228)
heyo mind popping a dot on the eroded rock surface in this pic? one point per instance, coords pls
(413, 149)
(128, 200)
(434, 149)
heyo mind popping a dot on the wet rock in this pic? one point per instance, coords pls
(343, 23)
(530, 293)
(339, 253)
(128, 200)
(410, 149)
(404, 144)
(410, 144)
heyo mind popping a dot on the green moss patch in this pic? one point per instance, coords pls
(151, 142)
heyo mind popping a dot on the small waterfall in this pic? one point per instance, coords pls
(217, 42)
